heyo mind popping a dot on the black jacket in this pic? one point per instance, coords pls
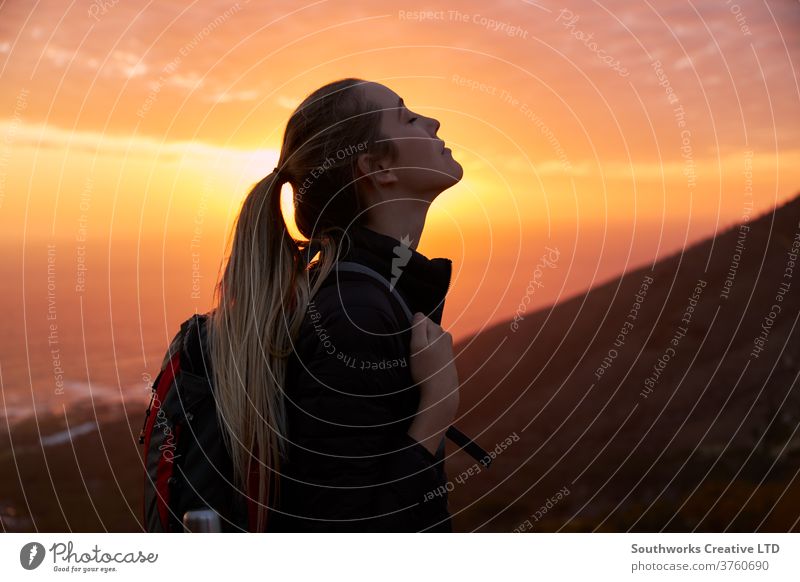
(350, 398)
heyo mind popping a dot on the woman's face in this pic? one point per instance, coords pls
(423, 167)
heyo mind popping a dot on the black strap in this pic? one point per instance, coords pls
(470, 446)
(354, 267)
(455, 435)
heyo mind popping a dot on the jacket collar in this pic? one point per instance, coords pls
(421, 281)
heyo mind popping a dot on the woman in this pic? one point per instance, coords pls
(325, 411)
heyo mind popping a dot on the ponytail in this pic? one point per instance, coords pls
(251, 332)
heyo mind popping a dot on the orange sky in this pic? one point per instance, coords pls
(615, 133)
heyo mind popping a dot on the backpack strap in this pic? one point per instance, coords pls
(359, 268)
(158, 466)
(455, 435)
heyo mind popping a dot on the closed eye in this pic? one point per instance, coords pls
(413, 119)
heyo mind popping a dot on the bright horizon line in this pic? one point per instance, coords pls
(41, 135)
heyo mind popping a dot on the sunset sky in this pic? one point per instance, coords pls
(616, 132)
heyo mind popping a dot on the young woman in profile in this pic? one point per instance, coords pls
(332, 405)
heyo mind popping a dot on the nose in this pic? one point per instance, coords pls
(436, 125)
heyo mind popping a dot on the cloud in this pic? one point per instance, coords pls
(651, 170)
(232, 96)
(290, 103)
(693, 59)
(190, 81)
(38, 136)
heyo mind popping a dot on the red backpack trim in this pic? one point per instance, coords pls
(158, 469)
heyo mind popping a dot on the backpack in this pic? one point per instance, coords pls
(186, 464)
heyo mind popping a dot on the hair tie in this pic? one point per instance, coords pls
(310, 250)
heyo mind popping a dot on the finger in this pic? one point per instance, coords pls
(435, 331)
(419, 332)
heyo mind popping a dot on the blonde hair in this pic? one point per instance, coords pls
(262, 296)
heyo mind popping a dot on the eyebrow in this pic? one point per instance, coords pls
(400, 104)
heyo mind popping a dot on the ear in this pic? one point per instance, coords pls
(376, 170)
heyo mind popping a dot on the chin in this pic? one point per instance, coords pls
(456, 171)
(460, 173)
(453, 178)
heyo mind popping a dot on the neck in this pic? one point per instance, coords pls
(398, 219)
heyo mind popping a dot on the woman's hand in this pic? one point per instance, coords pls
(432, 367)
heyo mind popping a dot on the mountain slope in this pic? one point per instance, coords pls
(637, 443)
